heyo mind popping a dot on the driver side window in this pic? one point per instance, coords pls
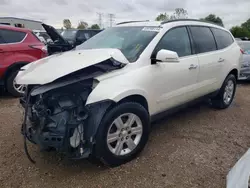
(176, 40)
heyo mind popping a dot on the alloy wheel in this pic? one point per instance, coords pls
(228, 92)
(124, 134)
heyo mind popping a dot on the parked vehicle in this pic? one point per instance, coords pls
(245, 65)
(68, 39)
(78, 36)
(18, 47)
(100, 98)
(238, 39)
(58, 43)
(43, 36)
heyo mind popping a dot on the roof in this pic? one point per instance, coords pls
(177, 21)
(14, 28)
(20, 19)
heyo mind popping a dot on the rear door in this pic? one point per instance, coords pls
(228, 51)
(209, 59)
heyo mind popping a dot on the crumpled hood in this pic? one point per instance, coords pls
(56, 66)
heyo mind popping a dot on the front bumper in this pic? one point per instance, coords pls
(58, 137)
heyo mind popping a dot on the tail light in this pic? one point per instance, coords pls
(242, 51)
(42, 48)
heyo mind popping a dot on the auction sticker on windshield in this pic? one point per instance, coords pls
(154, 29)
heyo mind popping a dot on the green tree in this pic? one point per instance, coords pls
(162, 17)
(67, 24)
(240, 32)
(95, 26)
(82, 25)
(246, 24)
(213, 18)
(180, 13)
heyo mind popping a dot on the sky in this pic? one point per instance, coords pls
(53, 12)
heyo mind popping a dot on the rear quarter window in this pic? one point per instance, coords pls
(10, 36)
(223, 38)
(203, 39)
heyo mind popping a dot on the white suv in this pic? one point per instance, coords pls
(100, 98)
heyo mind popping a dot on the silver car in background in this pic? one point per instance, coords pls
(245, 66)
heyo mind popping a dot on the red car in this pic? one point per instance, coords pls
(18, 47)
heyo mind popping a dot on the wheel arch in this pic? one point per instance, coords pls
(136, 98)
(13, 67)
(235, 72)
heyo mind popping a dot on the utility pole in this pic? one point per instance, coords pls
(111, 19)
(100, 19)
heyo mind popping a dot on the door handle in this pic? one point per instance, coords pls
(192, 66)
(221, 60)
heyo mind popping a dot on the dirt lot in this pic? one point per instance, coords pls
(194, 148)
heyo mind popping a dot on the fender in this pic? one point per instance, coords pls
(114, 94)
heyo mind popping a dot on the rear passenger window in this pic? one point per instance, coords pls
(203, 39)
(223, 38)
(176, 40)
(10, 36)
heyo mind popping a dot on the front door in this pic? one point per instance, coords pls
(176, 83)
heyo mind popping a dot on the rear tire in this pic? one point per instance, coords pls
(135, 135)
(10, 84)
(226, 94)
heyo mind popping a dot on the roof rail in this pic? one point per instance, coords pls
(132, 22)
(177, 20)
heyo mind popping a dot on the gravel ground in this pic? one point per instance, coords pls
(193, 148)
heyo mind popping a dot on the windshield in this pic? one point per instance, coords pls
(130, 40)
(69, 34)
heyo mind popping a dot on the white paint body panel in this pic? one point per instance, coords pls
(53, 67)
(164, 85)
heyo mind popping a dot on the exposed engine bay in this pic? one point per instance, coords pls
(57, 117)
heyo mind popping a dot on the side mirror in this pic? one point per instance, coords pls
(167, 56)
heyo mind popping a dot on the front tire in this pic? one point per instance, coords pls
(122, 134)
(226, 94)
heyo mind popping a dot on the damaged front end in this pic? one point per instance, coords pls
(57, 117)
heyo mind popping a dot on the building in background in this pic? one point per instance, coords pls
(20, 22)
